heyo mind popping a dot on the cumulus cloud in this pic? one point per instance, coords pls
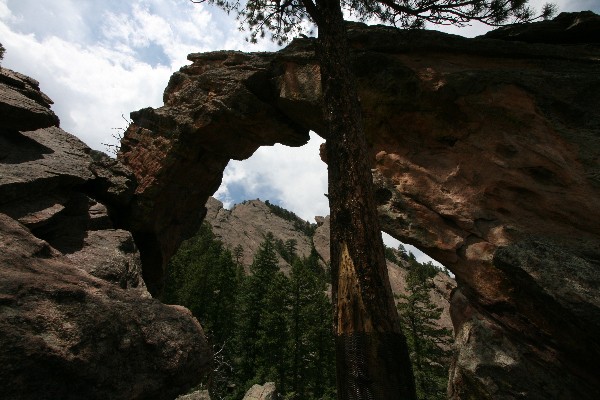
(91, 85)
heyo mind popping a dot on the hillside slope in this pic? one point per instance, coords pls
(247, 223)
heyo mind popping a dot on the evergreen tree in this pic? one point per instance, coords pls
(263, 327)
(273, 333)
(428, 343)
(311, 347)
(284, 332)
(290, 247)
(203, 277)
(238, 254)
(258, 307)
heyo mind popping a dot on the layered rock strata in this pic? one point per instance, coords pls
(486, 156)
(76, 320)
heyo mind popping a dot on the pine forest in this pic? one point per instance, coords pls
(267, 325)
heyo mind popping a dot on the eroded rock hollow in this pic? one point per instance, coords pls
(486, 155)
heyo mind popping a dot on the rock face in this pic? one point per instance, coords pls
(229, 118)
(487, 157)
(76, 320)
(197, 395)
(581, 27)
(247, 224)
(262, 392)
(22, 105)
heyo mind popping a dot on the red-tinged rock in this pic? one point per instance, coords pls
(486, 157)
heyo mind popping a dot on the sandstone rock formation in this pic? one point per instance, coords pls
(228, 119)
(197, 395)
(487, 157)
(76, 320)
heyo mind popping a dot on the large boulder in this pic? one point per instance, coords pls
(485, 154)
(76, 319)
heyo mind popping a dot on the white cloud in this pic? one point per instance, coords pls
(99, 60)
(5, 13)
(293, 177)
(91, 85)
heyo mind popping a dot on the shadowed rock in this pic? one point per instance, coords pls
(22, 106)
(578, 27)
(76, 320)
(486, 157)
(68, 335)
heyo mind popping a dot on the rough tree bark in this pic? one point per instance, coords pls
(371, 353)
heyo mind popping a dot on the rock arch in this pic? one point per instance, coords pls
(485, 154)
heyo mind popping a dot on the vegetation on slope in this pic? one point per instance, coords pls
(271, 327)
(299, 224)
(428, 343)
(263, 327)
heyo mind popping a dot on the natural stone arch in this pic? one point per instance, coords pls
(482, 160)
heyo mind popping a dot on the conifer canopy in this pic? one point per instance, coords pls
(282, 20)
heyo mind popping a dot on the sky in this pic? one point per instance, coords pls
(101, 59)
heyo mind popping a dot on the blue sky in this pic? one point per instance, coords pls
(101, 59)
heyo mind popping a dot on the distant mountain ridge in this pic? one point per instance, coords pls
(247, 224)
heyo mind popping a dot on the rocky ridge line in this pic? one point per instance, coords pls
(247, 224)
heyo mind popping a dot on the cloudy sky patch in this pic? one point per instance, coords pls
(292, 177)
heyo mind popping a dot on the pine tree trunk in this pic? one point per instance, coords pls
(371, 353)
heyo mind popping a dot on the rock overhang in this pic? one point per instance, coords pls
(480, 156)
